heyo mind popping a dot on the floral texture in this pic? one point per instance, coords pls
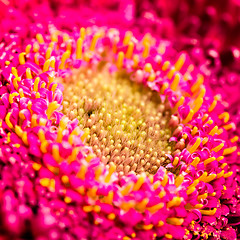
(56, 184)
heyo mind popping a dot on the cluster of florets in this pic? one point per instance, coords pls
(53, 186)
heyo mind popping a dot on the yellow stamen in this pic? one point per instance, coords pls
(198, 103)
(202, 197)
(54, 87)
(36, 47)
(135, 60)
(218, 148)
(208, 212)
(209, 160)
(225, 116)
(165, 180)
(127, 38)
(36, 58)
(52, 64)
(39, 38)
(82, 172)
(36, 166)
(111, 216)
(21, 92)
(73, 155)
(220, 174)
(111, 170)
(229, 174)
(46, 65)
(65, 56)
(181, 60)
(213, 105)
(164, 87)
(152, 77)
(194, 130)
(171, 73)
(229, 150)
(18, 131)
(14, 72)
(190, 190)
(166, 65)
(28, 48)
(234, 139)
(7, 119)
(36, 83)
(51, 108)
(194, 147)
(41, 135)
(141, 206)
(28, 73)
(82, 32)
(24, 138)
(120, 60)
(175, 161)
(179, 103)
(156, 207)
(175, 82)
(11, 97)
(139, 182)
(79, 48)
(189, 116)
(179, 180)
(213, 131)
(22, 58)
(148, 67)
(55, 153)
(130, 50)
(85, 134)
(198, 83)
(175, 202)
(229, 126)
(94, 41)
(127, 189)
(48, 53)
(175, 221)
(44, 146)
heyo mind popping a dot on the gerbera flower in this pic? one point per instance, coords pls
(107, 135)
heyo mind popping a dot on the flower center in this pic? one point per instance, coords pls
(127, 122)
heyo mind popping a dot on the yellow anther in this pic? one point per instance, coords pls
(21, 92)
(146, 50)
(202, 177)
(36, 166)
(185, 136)
(147, 227)
(46, 65)
(54, 37)
(14, 72)
(11, 96)
(179, 180)
(218, 148)
(234, 139)
(189, 116)
(171, 72)
(65, 56)
(198, 103)
(198, 83)
(36, 58)
(130, 50)
(168, 236)
(55, 153)
(48, 53)
(209, 122)
(220, 158)
(22, 58)
(45, 182)
(41, 135)
(89, 157)
(112, 168)
(44, 146)
(69, 46)
(156, 207)
(175, 202)
(94, 41)
(229, 150)
(141, 206)
(213, 131)
(194, 130)
(43, 85)
(175, 82)
(195, 146)
(51, 108)
(7, 119)
(36, 47)
(220, 174)
(65, 37)
(67, 200)
(127, 38)
(52, 64)
(38, 95)
(139, 182)
(79, 48)
(85, 134)
(18, 131)
(229, 126)
(195, 162)
(28, 48)
(36, 83)
(152, 77)
(42, 122)
(28, 73)
(202, 197)
(54, 87)
(162, 194)
(205, 117)
(209, 160)
(209, 178)
(73, 155)
(82, 32)
(160, 223)
(120, 60)
(109, 198)
(195, 183)
(156, 185)
(181, 60)
(165, 180)
(175, 221)
(127, 189)
(135, 60)
(225, 116)
(7, 63)
(179, 103)
(65, 179)
(190, 190)
(229, 174)
(208, 212)
(126, 238)
(24, 138)
(148, 67)
(213, 105)
(111, 216)
(39, 38)
(164, 87)
(166, 65)
(82, 172)
(175, 161)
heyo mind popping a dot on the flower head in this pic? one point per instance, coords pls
(107, 135)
